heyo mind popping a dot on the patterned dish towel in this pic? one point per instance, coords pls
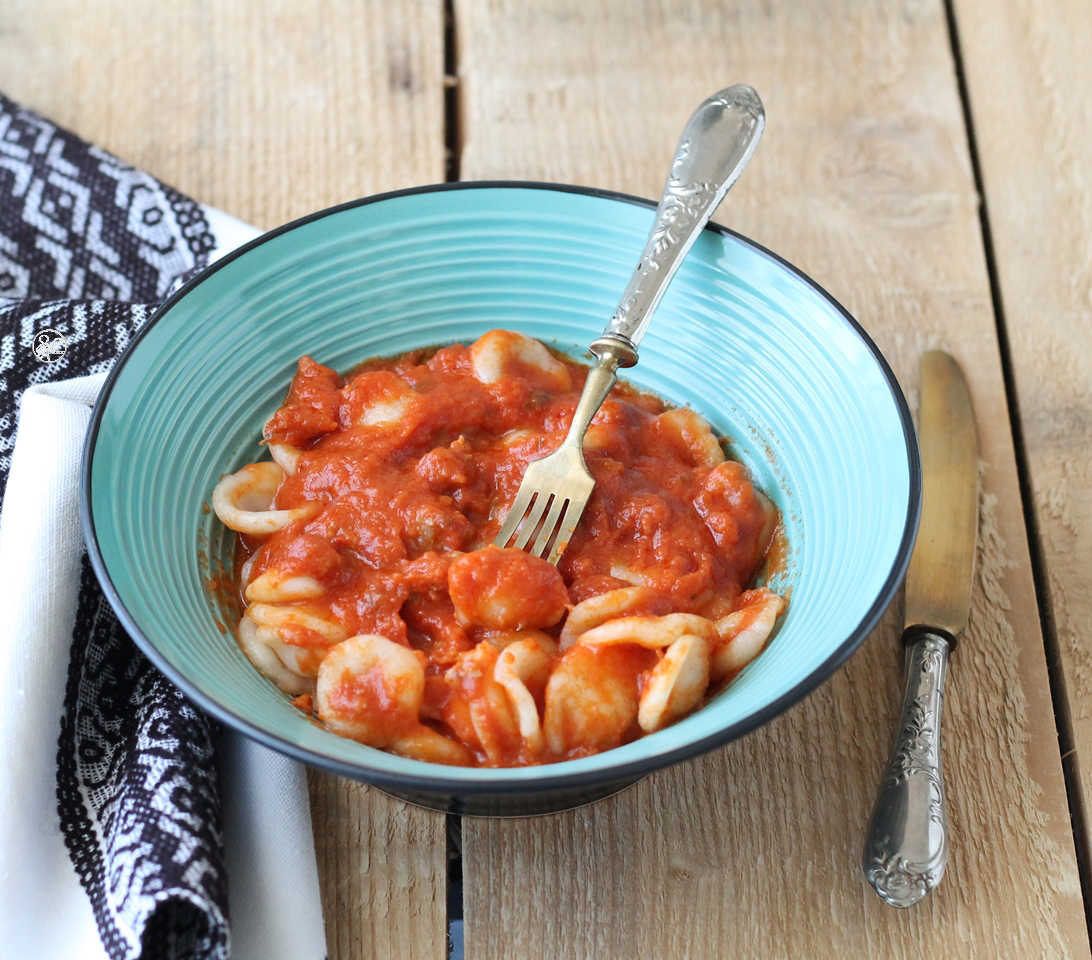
(131, 825)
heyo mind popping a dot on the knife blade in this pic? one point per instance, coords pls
(941, 571)
(906, 850)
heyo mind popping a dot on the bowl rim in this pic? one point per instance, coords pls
(438, 778)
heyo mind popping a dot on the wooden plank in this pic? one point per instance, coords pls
(382, 870)
(270, 110)
(864, 181)
(1029, 79)
(267, 110)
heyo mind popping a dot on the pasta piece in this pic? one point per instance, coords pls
(506, 589)
(600, 438)
(301, 567)
(501, 353)
(272, 658)
(479, 711)
(676, 685)
(310, 409)
(652, 632)
(625, 573)
(591, 698)
(693, 434)
(370, 688)
(424, 743)
(698, 584)
(611, 432)
(242, 500)
(247, 569)
(524, 666)
(385, 413)
(740, 517)
(623, 602)
(742, 634)
(380, 399)
(273, 586)
(301, 661)
(298, 639)
(289, 617)
(285, 456)
(514, 438)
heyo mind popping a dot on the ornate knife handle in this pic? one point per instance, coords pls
(715, 146)
(907, 846)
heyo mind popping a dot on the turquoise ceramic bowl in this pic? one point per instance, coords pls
(807, 401)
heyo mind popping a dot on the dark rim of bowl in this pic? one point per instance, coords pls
(438, 783)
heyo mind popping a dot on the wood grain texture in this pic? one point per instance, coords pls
(864, 181)
(270, 109)
(267, 110)
(382, 870)
(1030, 84)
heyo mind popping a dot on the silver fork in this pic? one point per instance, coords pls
(715, 146)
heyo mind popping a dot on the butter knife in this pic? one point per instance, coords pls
(906, 850)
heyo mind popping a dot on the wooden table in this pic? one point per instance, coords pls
(929, 165)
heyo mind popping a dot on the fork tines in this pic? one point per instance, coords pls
(543, 519)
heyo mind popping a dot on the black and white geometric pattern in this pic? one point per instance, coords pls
(88, 247)
(95, 332)
(138, 796)
(87, 243)
(77, 223)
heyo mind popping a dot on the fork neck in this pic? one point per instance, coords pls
(611, 352)
(616, 346)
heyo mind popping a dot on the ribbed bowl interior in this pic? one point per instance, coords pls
(768, 358)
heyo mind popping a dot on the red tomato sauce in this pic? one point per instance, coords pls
(415, 461)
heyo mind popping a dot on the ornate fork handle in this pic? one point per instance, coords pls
(715, 146)
(907, 846)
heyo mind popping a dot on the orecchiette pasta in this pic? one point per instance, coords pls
(371, 592)
(692, 434)
(242, 501)
(653, 632)
(265, 652)
(523, 668)
(676, 684)
(371, 689)
(592, 698)
(501, 354)
(274, 586)
(285, 456)
(623, 602)
(743, 633)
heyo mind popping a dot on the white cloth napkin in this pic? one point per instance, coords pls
(273, 894)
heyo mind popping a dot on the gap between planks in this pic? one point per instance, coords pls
(1062, 716)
